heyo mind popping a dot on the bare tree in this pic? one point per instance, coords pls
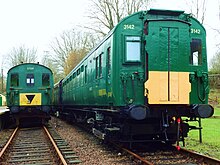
(215, 63)
(132, 6)
(217, 30)
(197, 8)
(105, 14)
(73, 59)
(2, 82)
(21, 54)
(70, 43)
(47, 61)
(61, 48)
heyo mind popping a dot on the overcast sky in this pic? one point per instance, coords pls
(35, 23)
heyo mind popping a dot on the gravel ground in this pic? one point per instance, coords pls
(89, 148)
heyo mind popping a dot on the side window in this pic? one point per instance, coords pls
(96, 67)
(146, 28)
(46, 79)
(85, 74)
(100, 65)
(82, 68)
(74, 75)
(133, 49)
(196, 52)
(109, 60)
(78, 71)
(30, 79)
(14, 80)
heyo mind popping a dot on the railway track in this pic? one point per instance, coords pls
(160, 154)
(169, 155)
(38, 145)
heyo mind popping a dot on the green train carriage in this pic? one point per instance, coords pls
(149, 71)
(29, 91)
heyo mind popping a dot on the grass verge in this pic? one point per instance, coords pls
(210, 133)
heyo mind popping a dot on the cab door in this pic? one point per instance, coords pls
(168, 58)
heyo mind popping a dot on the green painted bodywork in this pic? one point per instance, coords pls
(165, 39)
(14, 91)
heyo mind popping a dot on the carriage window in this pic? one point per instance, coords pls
(96, 67)
(100, 65)
(133, 49)
(30, 79)
(82, 68)
(78, 71)
(196, 52)
(109, 60)
(46, 79)
(146, 28)
(14, 80)
(86, 74)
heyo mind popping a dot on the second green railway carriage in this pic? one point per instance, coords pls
(149, 71)
(29, 91)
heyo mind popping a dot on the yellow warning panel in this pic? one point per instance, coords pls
(168, 88)
(27, 99)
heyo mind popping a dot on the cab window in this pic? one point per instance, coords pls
(46, 79)
(133, 49)
(14, 80)
(196, 52)
(30, 79)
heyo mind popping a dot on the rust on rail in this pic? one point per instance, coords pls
(56, 148)
(7, 144)
(144, 161)
(206, 159)
(138, 157)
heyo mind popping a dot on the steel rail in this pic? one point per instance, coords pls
(144, 161)
(137, 156)
(55, 146)
(205, 158)
(9, 141)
